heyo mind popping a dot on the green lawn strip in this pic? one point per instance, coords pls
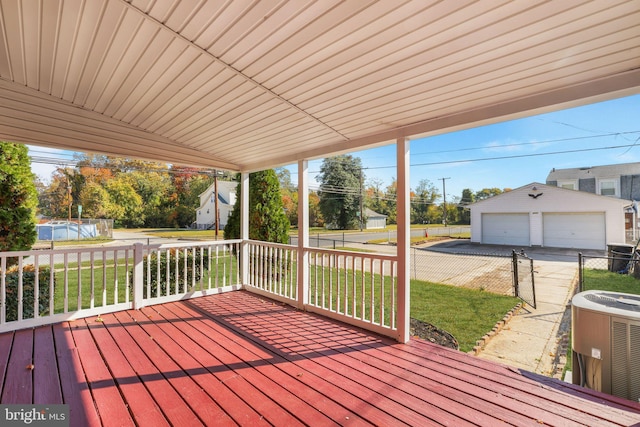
(73, 242)
(467, 314)
(177, 233)
(605, 280)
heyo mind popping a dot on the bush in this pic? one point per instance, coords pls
(159, 274)
(28, 287)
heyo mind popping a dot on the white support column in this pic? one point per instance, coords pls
(138, 276)
(244, 228)
(303, 233)
(404, 238)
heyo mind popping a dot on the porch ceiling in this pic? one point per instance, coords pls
(245, 85)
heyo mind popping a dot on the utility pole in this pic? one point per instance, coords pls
(444, 196)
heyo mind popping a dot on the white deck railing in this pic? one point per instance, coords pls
(358, 288)
(272, 270)
(48, 286)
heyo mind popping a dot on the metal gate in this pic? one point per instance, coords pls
(523, 282)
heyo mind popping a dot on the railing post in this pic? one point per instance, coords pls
(514, 263)
(138, 276)
(580, 272)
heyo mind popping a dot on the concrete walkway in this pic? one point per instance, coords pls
(532, 339)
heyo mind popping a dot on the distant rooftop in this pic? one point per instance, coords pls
(604, 171)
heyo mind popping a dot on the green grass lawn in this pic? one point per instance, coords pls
(176, 233)
(605, 280)
(467, 314)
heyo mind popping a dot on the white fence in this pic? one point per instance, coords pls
(48, 286)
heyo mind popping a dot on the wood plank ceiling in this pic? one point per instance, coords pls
(245, 85)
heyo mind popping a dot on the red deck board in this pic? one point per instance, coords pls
(243, 359)
(45, 373)
(291, 409)
(292, 384)
(18, 382)
(141, 404)
(494, 392)
(104, 390)
(511, 383)
(383, 397)
(203, 404)
(463, 393)
(320, 384)
(370, 377)
(75, 390)
(194, 342)
(6, 340)
(166, 397)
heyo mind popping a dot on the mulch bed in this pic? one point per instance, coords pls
(430, 333)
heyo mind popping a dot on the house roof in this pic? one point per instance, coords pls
(245, 86)
(224, 187)
(373, 214)
(604, 171)
(542, 188)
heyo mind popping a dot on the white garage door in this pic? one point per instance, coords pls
(574, 230)
(505, 229)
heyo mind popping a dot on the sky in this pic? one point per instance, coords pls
(505, 155)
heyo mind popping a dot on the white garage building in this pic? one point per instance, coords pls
(541, 215)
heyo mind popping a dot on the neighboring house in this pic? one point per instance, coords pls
(543, 215)
(205, 215)
(621, 181)
(375, 219)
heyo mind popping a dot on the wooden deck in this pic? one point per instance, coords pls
(236, 358)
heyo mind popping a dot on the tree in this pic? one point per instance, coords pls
(425, 195)
(18, 198)
(267, 220)
(340, 193)
(374, 196)
(463, 213)
(315, 216)
(485, 193)
(126, 204)
(391, 202)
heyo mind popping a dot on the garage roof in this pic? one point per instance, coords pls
(245, 85)
(532, 196)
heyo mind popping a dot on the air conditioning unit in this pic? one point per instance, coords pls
(606, 342)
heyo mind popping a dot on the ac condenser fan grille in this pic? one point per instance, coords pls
(629, 303)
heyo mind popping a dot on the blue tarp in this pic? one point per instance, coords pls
(66, 231)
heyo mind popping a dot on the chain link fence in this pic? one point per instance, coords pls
(489, 272)
(618, 272)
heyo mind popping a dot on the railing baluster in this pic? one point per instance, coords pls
(36, 288)
(104, 280)
(78, 257)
